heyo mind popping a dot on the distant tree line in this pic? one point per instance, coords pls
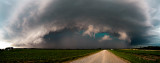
(150, 47)
(7, 48)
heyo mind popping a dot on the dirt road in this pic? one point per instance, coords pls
(100, 57)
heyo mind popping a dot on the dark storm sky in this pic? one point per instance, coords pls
(79, 23)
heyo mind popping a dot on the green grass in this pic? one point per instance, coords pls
(137, 56)
(42, 55)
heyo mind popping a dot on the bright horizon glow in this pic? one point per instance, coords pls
(4, 44)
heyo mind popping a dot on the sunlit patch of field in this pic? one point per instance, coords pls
(140, 49)
(41, 55)
(138, 56)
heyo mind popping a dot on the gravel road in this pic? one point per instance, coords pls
(103, 56)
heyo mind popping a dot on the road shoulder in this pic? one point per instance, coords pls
(119, 57)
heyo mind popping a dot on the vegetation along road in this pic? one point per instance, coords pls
(138, 56)
(42, 55)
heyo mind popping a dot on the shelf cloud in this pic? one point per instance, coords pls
(75, 23)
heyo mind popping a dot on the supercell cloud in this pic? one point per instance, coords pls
(78, 23)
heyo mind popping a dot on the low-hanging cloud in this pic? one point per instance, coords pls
(68, 23)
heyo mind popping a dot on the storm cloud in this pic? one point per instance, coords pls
(76, 23)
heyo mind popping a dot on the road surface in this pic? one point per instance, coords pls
(103, 56)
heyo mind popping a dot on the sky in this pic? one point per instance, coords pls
(79, 23)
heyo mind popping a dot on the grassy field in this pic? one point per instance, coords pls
(139, 56)
(42, 55)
